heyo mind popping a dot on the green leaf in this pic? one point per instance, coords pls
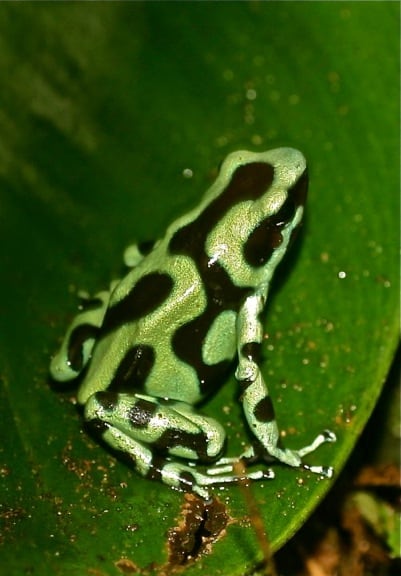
(103, 105)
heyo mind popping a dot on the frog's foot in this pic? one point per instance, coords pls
(289, 457)
(259, 411)
(220, 476)
(294, 458)
(327, 436)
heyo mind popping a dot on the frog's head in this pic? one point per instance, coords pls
(263, 196)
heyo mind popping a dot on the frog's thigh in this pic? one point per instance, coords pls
(176, 474)
(167, 427)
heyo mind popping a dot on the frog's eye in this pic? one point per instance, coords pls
(268, 236)
(285, 214)
(299, 190)
(262, 242)
(296, 197)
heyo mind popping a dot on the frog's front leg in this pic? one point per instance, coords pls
(135, 253)
(76, 349)
(257, 404)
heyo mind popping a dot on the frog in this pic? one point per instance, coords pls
(160, 341)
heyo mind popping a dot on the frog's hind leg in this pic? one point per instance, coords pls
(170, 427)
(172, 472)
(156, 434)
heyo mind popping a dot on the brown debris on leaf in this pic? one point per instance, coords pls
(200, 525)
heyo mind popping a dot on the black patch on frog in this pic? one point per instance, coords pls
(147, 295)
(156, 467)
(141, 413)
(133, 369)
(96, 427)
(174, 437)
(107, 400)
(244, 384)
(264, 411)
(188, 340)
(78, 337)
(252, 351)
(248, 182)
(187, 481)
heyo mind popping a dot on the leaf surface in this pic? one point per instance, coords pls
(104, 105)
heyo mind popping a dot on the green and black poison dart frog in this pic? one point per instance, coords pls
(161, 339)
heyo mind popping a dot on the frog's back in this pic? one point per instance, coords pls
(170, 329)
(134, 350)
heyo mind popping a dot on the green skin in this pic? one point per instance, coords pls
(158, 342)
